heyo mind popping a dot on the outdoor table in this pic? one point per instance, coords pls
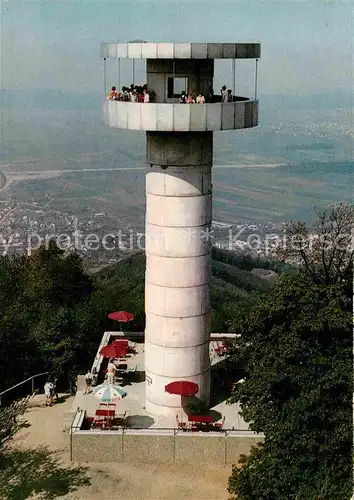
(200, 419)
(107, 405)
(103, 412)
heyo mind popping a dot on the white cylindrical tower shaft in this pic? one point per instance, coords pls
(178, 266)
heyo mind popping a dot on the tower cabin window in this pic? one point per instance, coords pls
(175, 87)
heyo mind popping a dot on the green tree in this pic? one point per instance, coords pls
(16, 353)
(50, 275)
(296, 347)
(40, 329)
(325, 251)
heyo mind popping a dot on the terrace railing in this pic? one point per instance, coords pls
(28, 380)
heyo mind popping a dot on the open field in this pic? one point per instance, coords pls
(9, 176)
(242, 194)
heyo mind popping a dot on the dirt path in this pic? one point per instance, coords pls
(118, 481)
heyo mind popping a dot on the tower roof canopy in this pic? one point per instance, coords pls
(172, 50)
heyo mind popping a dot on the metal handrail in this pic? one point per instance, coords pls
(175, 430)
(71, 431)
(23, 382)
(216, 100)
(178, 431)
(72, 426)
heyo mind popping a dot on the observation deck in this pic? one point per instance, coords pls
(163, 117)
(170, 69)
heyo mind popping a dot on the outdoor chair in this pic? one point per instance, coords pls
(97, 424)
(220, 425)
(220, 348)
(181, 425)
(108, 405)
(103, 422)
(131, 372)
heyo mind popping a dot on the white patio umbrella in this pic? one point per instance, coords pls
(108, 393)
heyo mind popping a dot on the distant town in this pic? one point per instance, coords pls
(24, 228)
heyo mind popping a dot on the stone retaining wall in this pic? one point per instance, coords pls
(219, 449)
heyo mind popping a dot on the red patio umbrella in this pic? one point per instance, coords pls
(114, 351)
(182, 388)
(121, 316)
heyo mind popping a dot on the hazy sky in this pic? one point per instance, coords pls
(307, 46)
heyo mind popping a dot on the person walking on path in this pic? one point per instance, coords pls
(48, 391)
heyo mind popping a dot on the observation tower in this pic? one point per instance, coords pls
(179, 156)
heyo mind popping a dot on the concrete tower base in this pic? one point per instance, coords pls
(178, 267)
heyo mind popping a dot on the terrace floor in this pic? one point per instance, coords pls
(133, 403)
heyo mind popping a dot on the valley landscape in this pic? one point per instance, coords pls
(59, 164)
